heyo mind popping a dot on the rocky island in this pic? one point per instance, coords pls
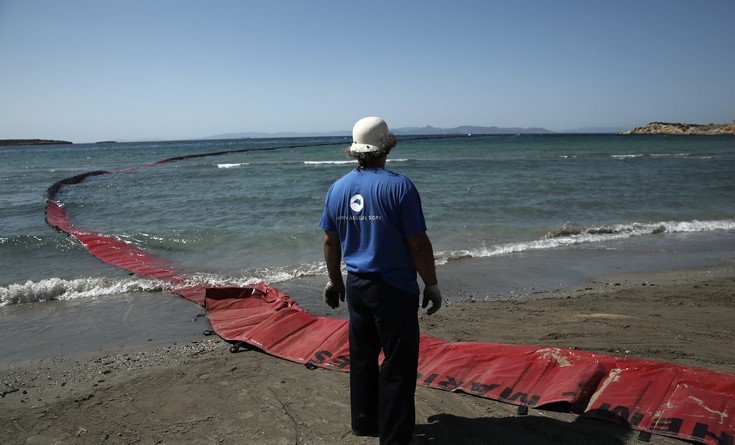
(31, 142)
(688, 129)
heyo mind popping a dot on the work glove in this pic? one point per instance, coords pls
(432, 293)
(334, 292)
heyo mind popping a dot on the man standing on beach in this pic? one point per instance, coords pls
(373, 218)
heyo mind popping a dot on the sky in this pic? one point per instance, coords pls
(92, 70)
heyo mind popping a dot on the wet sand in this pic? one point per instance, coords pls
(198, 392)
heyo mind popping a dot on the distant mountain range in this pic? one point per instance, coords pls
(469, 129)
(407, 131)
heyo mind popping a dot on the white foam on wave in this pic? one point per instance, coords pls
(670, 155)
(573, 236)
(627, 156)
(280, 274)
(217, 280)
(249, 277)
(329, 162)
(350, 161)
(61, 289)
(658, 156)
(236, 165)
(96, 287)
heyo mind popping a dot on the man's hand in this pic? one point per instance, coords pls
(334, 292)
(432, 293)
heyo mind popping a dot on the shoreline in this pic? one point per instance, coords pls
(62, 327)
(196, 391)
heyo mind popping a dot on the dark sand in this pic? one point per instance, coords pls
(199, 393)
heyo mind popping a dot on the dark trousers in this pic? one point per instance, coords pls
(382, 394)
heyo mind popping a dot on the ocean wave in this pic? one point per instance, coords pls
(330, 162)
(10, 245)
(627, 156)
(88, 288)
(568, 235)
(670, 155)
(280, 274)
(570, 231)
(216, 280)
(24, 241)
(20, 240)
(256, 275)
(234, 165)
(349, 161)
(61, 289)
(658, 155)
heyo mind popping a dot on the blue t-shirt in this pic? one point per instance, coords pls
(374, 211)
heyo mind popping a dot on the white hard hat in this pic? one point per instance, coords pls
(371, 134)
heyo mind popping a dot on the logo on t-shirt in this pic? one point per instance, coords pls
(357, 203)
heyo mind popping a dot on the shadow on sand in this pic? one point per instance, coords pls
(449, 429)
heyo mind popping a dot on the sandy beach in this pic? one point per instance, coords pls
(199, 392)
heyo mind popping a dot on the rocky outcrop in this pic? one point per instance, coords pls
(675, 128)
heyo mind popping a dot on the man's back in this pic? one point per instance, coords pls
(374, 211)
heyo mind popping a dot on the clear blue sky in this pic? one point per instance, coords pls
(89, 70)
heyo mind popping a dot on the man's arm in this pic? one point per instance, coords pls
(422, 253)
(333, 255)
(334, 292)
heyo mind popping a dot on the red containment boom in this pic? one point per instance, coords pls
(649, 396)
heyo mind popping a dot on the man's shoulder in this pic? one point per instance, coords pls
(358, 176)
(396, 176)
(398, 179)
(347, 177)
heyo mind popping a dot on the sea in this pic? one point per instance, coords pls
(508, 216)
